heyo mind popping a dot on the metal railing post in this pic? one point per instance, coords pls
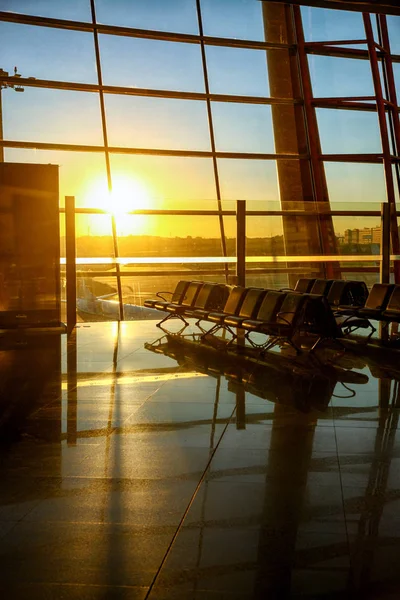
(385, 243)
(70, 260)
(241, 242)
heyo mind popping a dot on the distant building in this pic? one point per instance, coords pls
(367, 235)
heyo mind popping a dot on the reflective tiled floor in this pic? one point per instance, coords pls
(176, 472)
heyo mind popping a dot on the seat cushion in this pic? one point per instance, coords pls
(150, 303)
(233, 321)
(374, 313)
(344, 322)
(161, 305)
(347, 309)
(176, 309)
(217, 317)
(252, 324)
(391, 315)
(200, 313)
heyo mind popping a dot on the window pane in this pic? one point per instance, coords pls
(94, 237)
(164, 235)
(74, 10)
(237, 71)
(243, 127)
(240, 19)
(136, 62)
(47, 53)
(248, 180)
(139, 122)
(42, 115)
(145, 287)
(168, 181)
(178, 16)
(91, 307)
(396, 71)
(81, 174)
(351, 182)
(331, 76)
(358, 235)
(394, 33)
(321, 24)
(348, 131)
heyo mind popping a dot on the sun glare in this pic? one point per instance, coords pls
(127, 194)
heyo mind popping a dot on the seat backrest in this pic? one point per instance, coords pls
(179, 291)
(304, 285)
(204, 295)
(251, 303)
(321, 286)
(234, 301)
(218, 296)
(291, 309)
(191, 293)
(337, 293)
(357, 292)
(394, 300)
(379, 296)
(270, 306)
(319, 317)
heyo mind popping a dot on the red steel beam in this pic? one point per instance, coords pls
(387, 158)
(320, 189)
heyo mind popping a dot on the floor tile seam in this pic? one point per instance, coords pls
(142, 403)
(343, 500)
(186, 512)
(73, 584)
(23, 517)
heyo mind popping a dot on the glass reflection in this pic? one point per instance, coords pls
(153, 64)
(177, 16)
(48, 53)
(44, 115)
(138, 122)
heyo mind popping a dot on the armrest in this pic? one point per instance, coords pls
(287, 312)
(159, 295)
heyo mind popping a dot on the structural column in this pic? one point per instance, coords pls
(297, 185)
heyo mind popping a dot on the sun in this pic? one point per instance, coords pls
(128, 194)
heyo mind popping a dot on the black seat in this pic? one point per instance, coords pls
(374, 305)
(377, 300)
(176, 296)
(319, 320)
(211, 297)
(232, 307)
(392, 312)
(249, 308)
(188, 300)
(267, 312)
(286, 323)
(304, 285)
(357, 293)
(337, 293)
(321, 286)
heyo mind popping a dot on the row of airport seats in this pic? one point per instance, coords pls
(381, 304)
(337, 291)
(279, 315)
(282, 316)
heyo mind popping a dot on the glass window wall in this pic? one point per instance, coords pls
(158, 149)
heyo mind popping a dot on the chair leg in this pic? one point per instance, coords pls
(197, 324)
(171, 316)
(211, 331)
(296, 348)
